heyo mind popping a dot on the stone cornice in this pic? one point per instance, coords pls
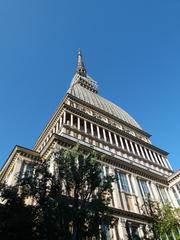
(17, 149)
(174, 176)
(131, 215)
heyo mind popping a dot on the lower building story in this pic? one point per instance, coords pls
(130, 189)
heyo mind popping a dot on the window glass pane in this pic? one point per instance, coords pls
(143, 188)
(132, 230)
(124, 182)
(105, 232)
(163, 194)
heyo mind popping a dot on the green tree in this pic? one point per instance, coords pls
(70, 196)
(165, 220)
(16, 217)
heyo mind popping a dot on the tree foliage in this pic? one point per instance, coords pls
(67, 197)
(165, 219)
(15, 217)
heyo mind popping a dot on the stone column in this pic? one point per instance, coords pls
(98, 133)
(64, 117)
(152, 156)
(104, 134)
(160, 160)
(142, 151)
(147, 154)
(85, 126)
(127, 145)
(155, 157)
(71, 120)
(116, 140)
(78, 123)
(132, 147)
(110, 137)
(168, 163)
(57, 127)
(122, 144)
(137, 149)
(92, 131)
(60, 123)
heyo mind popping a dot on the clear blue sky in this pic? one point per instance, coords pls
(132, 48)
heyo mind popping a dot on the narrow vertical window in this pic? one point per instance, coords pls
(88, 128)
(113, 138)
(101, 133)
(68, 118)
(107, 136)
(75, 123)
(81, 124)
(163, 194)
(123, 182)
(143, 188)
(95, 130)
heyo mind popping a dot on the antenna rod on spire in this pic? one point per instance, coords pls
(80, 64)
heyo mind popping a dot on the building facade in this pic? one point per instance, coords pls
(96, 123)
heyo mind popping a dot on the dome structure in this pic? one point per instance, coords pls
(85, 88)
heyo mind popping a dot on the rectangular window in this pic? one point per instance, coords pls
(95, 130)
(101, 133)
(113, 138)
(75, 122)
(143, 188)
(163, 194)
(68, 118)
(88, 128)
(119, 141)
(132, 230)
(105, 232)
(107, 136)
(176, 196)
(123, 182)
(26, 170)
(149, 154)
(81, 124)
(144, 152)
(178, 187)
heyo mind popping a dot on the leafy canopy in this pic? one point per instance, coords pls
(67, 196)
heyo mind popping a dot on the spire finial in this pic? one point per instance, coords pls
(80, 64)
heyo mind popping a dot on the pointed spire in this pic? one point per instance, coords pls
(80, 64)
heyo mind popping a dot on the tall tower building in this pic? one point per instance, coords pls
(96, 123)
